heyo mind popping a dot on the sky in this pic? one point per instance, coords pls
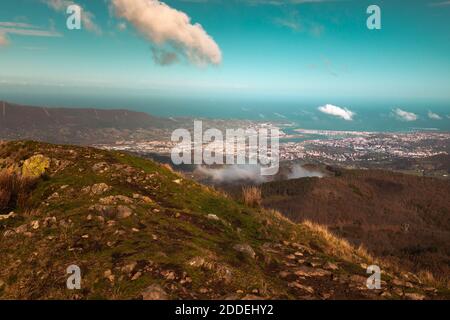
(274, 49)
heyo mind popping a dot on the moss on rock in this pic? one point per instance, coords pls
(35, 166)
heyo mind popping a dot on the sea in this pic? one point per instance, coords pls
(370, 115)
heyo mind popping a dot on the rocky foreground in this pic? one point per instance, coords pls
(138, 230)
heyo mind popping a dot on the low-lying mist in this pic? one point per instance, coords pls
(297, 171)
(234, 173)
(252, 173)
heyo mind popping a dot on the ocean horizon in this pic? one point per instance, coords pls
(370, 116)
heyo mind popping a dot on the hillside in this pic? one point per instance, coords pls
(401, 217)
(138, 230)
(76, 126)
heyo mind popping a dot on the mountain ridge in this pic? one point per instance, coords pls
(75, 125)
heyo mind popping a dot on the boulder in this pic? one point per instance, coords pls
(213, 217)
(100, 167)
(115, 200)
(304, 271)
(246, 250)
(414, 296)
(123, 212)
(7, 216)
(105, 211)
(154, 292)
(21, 229)
(100, 188)
(298, 285)
(330, 266)
(35, 166)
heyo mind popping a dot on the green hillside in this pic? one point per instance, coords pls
(139, 230)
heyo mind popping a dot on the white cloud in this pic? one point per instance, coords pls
(3, 39)
(290, 23)
(405, 115)
(440, 4)
(9, 24)
(30, 32)
(168, 27)
(434, 116)
(279, 115)
(122, 26)
(285, 2)
(265, 2)
(343, 113)
(22, 29)
(87, 18)
(294, 22)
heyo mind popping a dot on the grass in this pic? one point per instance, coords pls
(14, 190)
(252, 196)
(181, 225)
(429, 279)
(337, 246)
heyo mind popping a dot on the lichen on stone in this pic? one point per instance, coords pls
(35, 166)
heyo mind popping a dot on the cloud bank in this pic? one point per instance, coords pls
(434, 116)
(252, 173)
(405, 115)
(336, 111)
(87, 18)
(234, 173)
(297, 171)
(166, 28)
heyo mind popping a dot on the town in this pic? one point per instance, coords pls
(351, 149)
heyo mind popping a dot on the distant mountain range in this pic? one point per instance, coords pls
(77, 126)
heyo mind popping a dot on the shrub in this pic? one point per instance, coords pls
(7, 183)
(14, 190)
(252, 196)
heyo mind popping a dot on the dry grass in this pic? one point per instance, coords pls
(168, 167)
(337, 246)
(427, 277)
(14, 190)
(278, 216)
(432, 280)
(252, 196)
(343, 249)
(7, 186)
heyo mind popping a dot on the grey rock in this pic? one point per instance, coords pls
(100, 188)
(123, 212)
(154, 292)
(246, 250)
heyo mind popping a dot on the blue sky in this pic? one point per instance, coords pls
(290, 49)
